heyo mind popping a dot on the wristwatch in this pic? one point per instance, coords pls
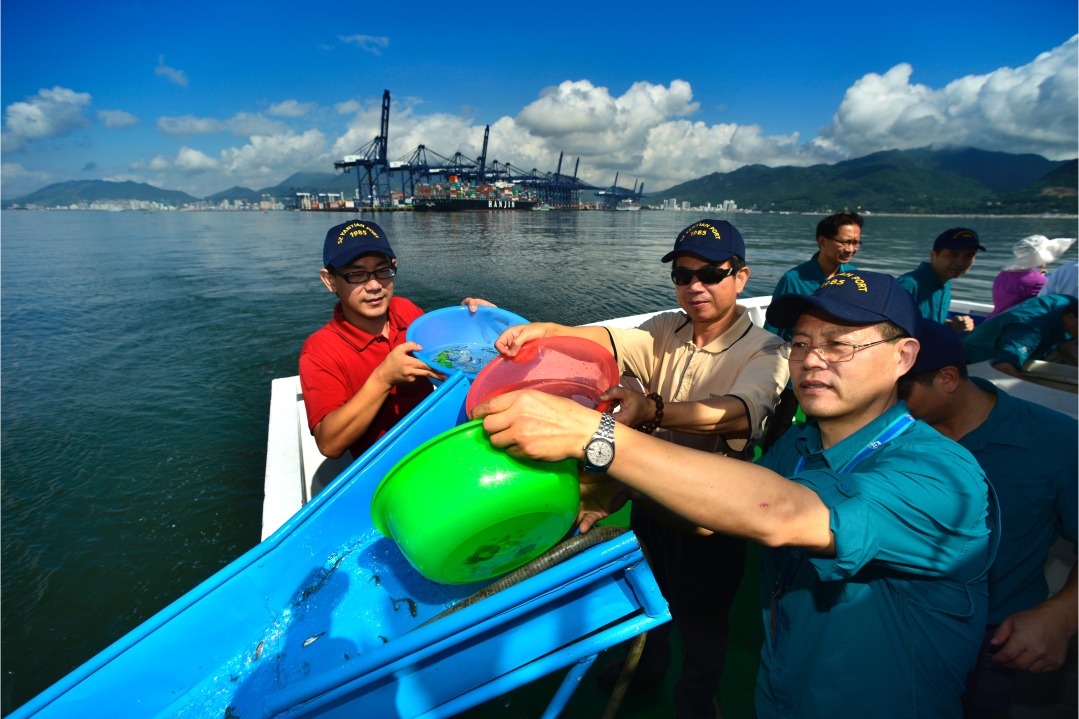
(599, 452)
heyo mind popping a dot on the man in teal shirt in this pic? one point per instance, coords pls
(878, 531)
(1030, 330)
(1029, 454)
(952, 255)
(839, 237)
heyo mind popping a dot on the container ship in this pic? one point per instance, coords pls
(458, 196)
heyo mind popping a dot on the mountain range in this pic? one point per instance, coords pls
(901, 181)
(63, 194)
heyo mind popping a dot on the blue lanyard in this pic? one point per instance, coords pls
(793, 561)
(893, 430)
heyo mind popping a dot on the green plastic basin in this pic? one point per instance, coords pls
(462, 510)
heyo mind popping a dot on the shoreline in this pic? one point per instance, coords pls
(384, 209)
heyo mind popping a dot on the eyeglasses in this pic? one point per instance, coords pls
(827, 351)
(360, 277)
(710, 275)
(854, 244)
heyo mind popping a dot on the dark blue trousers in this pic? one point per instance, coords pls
(699, 577)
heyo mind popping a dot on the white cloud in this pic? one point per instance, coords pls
(348, 107)
(190, 125)
(648, 131)
(264, 160)
(290, 108)
(116, 119)
(1032, 108)
(50, 113)
(194, 162)
(126, 178)
(242, 124)
(265, 156)
(176, 76)
(371, 43)
(158, 164)
(16, 180)
(641, 133)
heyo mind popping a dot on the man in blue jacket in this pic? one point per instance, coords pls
(878, 531)
(1029, 454)
(1030, 330)
(930, 283)
(839, 238)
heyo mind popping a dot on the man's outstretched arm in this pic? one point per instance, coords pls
(510, 341)
(707, 490)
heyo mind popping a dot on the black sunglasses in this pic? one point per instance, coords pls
(361, 277)
(709, 275)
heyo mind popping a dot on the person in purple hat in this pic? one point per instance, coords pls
(712, 380)
(930, 283)
(877, 531)
(356, 373)
(1029, 454)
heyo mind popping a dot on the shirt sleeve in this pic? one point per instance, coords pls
(636, 347)
(925, 517)
(1016, 343)
(323, 389)
(759, 383)
(909, 284)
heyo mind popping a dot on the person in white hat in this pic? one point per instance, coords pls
(1024, 276)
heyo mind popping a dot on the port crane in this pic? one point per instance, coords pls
(614, 194)
(375, 172)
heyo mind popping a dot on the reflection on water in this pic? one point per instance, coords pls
(469, 359)
(139, 350)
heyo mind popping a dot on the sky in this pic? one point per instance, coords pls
(205, 96)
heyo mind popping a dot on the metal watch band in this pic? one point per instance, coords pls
(606, 427)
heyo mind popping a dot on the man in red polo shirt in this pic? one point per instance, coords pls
(357, 375)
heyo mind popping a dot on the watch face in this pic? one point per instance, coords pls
(600, 452)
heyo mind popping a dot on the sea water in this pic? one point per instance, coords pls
(139, 350)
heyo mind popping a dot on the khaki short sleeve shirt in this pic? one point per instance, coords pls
(743, 362)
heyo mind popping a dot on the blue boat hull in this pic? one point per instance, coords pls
(323, 619)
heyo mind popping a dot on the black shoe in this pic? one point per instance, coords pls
(607, 676)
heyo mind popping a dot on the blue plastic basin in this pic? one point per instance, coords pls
(455, 339)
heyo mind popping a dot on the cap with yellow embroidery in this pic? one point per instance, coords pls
(346, 242)
(855, 296)
(957, 238)
(714, 240)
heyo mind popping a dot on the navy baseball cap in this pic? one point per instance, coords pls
(714, 240)
(940, 348)
(856, 296)
(956, 239)
(346, 242)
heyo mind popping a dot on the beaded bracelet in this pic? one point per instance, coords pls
(650, 427)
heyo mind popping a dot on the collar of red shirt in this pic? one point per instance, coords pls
(358, 338)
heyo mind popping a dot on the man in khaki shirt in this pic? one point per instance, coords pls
(718, 378)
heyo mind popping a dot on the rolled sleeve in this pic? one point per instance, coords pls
(636, 352)
(759, 384)
(1016, 344)
(904, 520)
